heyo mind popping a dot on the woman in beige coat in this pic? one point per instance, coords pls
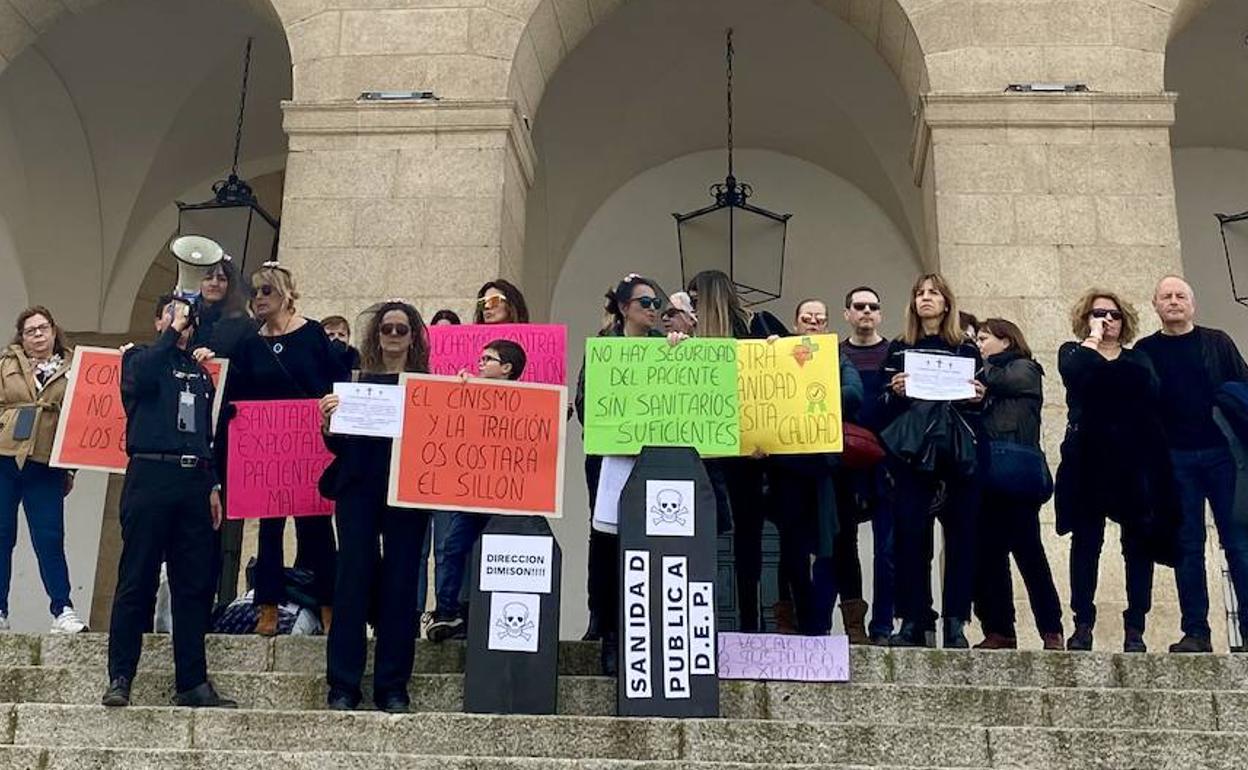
(33, 379)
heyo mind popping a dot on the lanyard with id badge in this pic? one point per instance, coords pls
(186, 411)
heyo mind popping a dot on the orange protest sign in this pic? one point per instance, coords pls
(91, 433)
(482, 446)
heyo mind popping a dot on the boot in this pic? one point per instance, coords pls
(995, 641)
(955, 635)
(1191, 643)
(610, 658)
(1052, 641)
(911, 635)
(786, 617)
(203, 696)
(854, 615)
(1081, 639)
(266, 624)
(327, 618)
(1133, 640)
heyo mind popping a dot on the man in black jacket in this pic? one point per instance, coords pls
(1192, 362)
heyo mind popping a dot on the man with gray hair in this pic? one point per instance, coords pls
(1192, 363)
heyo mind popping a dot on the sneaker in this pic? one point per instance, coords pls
(443, 628)
(955, 634)
(910, 635)
(203, 696)
(68, 622)
(1191, 643)
(4, 621)
(118, 693)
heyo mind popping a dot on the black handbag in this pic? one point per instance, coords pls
(1018, 471)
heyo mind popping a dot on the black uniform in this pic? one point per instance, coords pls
(165, 513)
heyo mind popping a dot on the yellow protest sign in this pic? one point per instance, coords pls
(790, 395)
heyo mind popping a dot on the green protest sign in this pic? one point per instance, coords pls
(644, 392)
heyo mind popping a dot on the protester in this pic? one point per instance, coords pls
(170, 505)
(866, 349)
(339, 332)
(500, 360)
(290, 358)
(679, 316)
(376, 542)
(1010, 510)
(445, 317)
(1114, 463)
(34, 373)
(933, 443)
(1192, 363)
(500, 302)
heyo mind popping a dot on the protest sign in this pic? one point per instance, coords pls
(790, 392)
(780, 657)
(455, 348)
(644, 392)
(484, 446)
(277, 456)
(91, 433)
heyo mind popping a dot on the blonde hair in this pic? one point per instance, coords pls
(280, 279)
(719, 306)
(1079, 315)
(950, 331)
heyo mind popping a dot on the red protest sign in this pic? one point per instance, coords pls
(277, 456)
(454, 348)
(91, 434)
(482, 446)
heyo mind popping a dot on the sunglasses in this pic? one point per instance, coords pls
(396, 330)
(861, 307)
(649, 303)
(492, 301)
(487, 359)
(1100, 312)
(266, 290)
(813, 319)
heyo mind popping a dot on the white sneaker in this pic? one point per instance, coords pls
(4, 621)
(68, 622)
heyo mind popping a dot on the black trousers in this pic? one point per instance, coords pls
(165, 516)
(315, 538)
(794, 513)
(913, 544)
(1007, 527)
(1086, 541)
(845, 545)
(377, 548)
(603, 576)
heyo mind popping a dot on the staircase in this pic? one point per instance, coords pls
(904, 709)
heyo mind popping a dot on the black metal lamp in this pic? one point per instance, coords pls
(733, 235)
(1235, 244)
(233, 217)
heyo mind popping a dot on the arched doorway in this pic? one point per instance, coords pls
(824, 129)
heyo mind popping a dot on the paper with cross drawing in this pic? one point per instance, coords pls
(937, 377)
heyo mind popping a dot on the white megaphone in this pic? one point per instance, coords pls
(196, 255)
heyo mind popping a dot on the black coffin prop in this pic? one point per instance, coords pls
(667, 576)
(513, 628)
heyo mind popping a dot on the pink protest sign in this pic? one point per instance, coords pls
(452, 348)
(276, 458)
(783, 657)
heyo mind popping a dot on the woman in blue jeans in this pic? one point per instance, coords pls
(33, 379)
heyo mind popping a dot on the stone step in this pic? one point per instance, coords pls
(873, 665)
(761, 743)
(902, 704)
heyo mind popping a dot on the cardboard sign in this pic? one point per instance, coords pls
(91, 433)
(482, 446)
(277, 455)
(783, 657)
(790, 392)
(644, 392)
(455, 348)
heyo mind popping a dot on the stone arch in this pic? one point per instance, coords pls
(554, 28)
(1183, 13)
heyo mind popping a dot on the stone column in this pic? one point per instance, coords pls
(1037, 198)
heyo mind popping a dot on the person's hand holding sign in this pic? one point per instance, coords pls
(980, 390)
(898, 383)
(328, 405)
(203, 354)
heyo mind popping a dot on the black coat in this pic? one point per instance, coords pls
(1013, 400)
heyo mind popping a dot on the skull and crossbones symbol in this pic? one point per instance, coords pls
(670, 507)
(515, 623)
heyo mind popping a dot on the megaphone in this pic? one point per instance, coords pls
(196, 256)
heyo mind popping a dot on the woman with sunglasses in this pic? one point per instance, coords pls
(632, 309)
(1114, 463)
(290, 357)
(376, 542)
(500, 302)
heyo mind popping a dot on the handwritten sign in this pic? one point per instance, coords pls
(782, 657)
(277, 456)
(644, 392)
(790, 392)
(91, 434)
(455, 348)
(483, 446)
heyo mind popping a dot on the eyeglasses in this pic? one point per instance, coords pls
(267, 290)
(35, 331)
(492, 301)
(862, 307)
(1101, 312)
(396, 330)
(488, 359)
(813, 319)
(649, 303)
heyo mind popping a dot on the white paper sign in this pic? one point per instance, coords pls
(675, 627)
(637, 624)
(368, 409)
(515, 620)
(702, 629)
(669, 508)
(519, 563)
(936, 377)
(611, 480)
